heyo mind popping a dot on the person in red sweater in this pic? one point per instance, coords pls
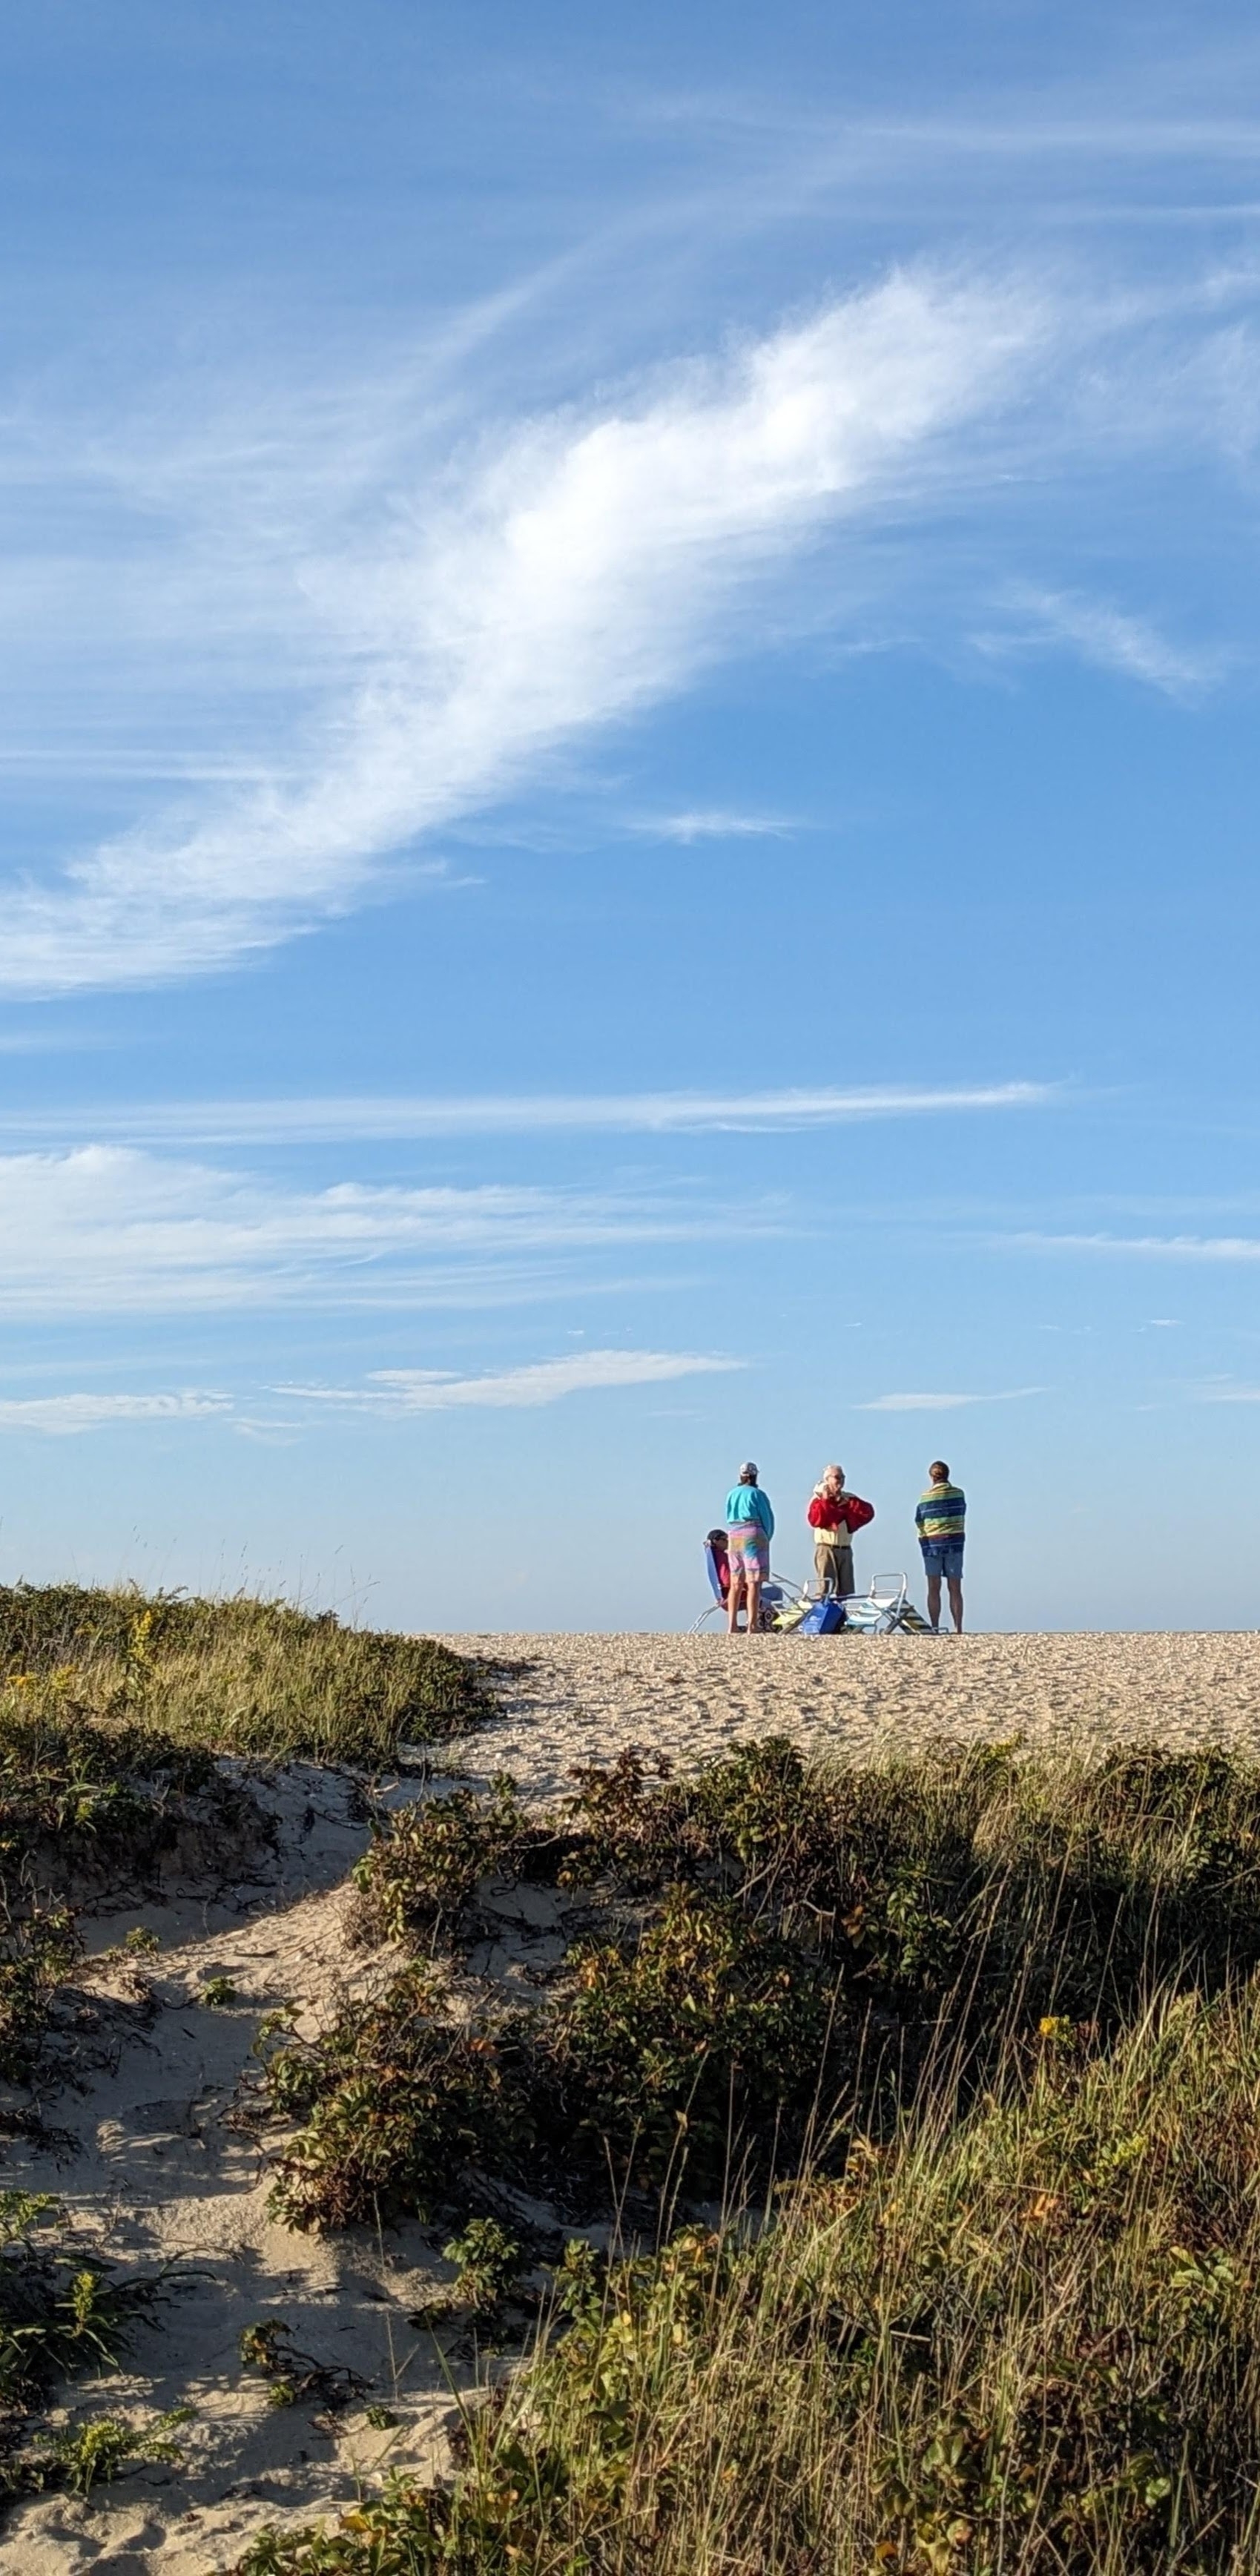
(833, 1516)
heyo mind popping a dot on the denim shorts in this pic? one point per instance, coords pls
(943, 1556)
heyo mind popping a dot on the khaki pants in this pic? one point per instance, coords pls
(834, 1567)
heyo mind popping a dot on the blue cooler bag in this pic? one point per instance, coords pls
(822, 1619)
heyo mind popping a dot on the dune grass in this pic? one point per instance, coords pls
(1026, 2338)
(113, 1707)
(971, 2047)
(232, 1676)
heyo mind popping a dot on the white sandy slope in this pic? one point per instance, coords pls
(153, 2173)
(160, 2173)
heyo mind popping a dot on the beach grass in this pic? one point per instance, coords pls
(239, 1675)
(958, 2277)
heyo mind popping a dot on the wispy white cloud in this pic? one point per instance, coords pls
(579, 574)
(944, 1403)
(388, 640)
(59, 1415)
(389, 1394)
(1148, 1247)
(328, 1120)
(1111, 638)
(399, 1391)
(106, 1229)
(713, 823)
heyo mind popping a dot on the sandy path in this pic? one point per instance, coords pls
(570, 1699)
(151, 2171)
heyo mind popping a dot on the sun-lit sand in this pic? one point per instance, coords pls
(145, 2149)
(567, 1700)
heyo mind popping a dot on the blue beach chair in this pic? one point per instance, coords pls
(776, 1592)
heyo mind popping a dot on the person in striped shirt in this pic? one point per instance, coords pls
(941, 1523)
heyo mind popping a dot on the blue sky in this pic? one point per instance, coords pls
(629, 783)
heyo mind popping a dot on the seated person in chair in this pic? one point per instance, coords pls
(716, 1545)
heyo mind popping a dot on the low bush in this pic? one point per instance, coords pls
(491, 2268)
(779, 1953)
(397, 2101)
(995, 2025)
(422, 1869)
(1022, 2338)
(98, 2451)
(707, 2036)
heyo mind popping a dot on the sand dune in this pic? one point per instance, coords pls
(143, 2146)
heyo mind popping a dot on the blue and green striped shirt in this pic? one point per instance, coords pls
(942, 1512)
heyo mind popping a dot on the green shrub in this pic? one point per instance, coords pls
(398, 2101)
(789, 1951)
(1076, 1881)
(424, 1864)
(1013, 2328)
(490, 2268)
(709, 2027)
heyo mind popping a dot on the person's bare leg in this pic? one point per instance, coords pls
(754, 1602)
(934, 1602)
(955, 1600)
(733, 1600)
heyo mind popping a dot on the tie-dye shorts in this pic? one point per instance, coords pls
(749, 1551)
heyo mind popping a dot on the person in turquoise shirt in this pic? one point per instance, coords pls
(749, 1530)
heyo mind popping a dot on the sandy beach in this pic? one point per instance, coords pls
(140, 2137)
(568, 1700)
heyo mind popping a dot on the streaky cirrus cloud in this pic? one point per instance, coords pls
(401, 1391)
(1147, 1247)
(945, 1403)
(582, 571)
(714, 823)
(1112, 638)
(58, 1415)
(107, 1229)
(329, 1119)
(390, 1394)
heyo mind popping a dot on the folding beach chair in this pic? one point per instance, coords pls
(884, 1610)
(776, 1591)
